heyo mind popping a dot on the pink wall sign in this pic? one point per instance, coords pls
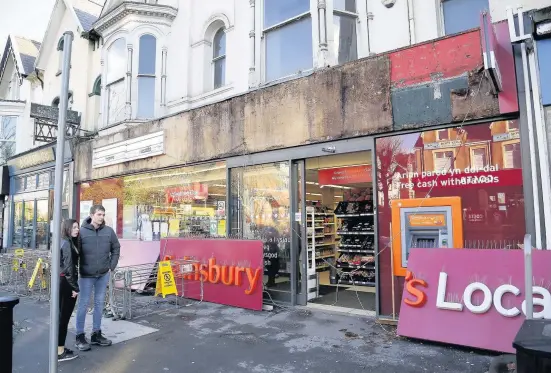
(232, 270)
(471, 297)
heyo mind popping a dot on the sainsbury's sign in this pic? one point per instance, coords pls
(471, 297)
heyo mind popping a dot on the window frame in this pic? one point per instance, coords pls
(486, 154)
(216, 58)
(438, 138)
(351, 15)
(146, 75)
(513, 143)
(266, 30)
(439, 151)
(110, 84)
(442, 18)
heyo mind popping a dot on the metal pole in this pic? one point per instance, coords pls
(528, 277)
(58, 195)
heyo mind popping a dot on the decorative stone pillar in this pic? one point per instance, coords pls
(163, 76)
(323, 49)
(129, 62)
(104, 99)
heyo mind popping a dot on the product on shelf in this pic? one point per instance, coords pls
(356, 266)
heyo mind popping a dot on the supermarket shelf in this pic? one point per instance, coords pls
(353, 215)
(359, 233)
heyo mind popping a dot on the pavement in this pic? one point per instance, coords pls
(210, 338)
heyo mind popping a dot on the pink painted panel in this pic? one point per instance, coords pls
(227, 254)
(136, 252)
(490, 330)
(508, 99)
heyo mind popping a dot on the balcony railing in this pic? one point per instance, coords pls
(45, 122)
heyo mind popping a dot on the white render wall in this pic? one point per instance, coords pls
(188, 42)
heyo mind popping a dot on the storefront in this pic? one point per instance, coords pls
(30, 203)
(356, 205)
(450, 187)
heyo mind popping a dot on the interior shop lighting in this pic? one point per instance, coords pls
(314, 194)
(328, 185)
(176, 174)
(351, 165)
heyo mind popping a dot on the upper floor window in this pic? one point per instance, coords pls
(462, 15)
(287, 31)
(219, 58)
(7, 135)
(115, 77)
(55, 101)
(146, 76)
(96, 88)
(345, 18)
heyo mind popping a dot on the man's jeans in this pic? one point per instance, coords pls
(99, 286)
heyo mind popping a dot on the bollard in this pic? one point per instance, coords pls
(6, 332)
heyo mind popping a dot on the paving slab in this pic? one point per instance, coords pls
(210, 338)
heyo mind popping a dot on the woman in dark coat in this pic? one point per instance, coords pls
(68, 284)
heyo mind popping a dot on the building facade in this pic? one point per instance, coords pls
(28, 207)
(311, 125)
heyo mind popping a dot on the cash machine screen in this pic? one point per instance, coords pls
(425, 229)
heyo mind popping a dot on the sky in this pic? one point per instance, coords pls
(27, 18)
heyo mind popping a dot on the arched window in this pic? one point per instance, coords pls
(146, 76)
(96, 89)
(114, 81)
(55, 101)
(219, 58)
(60, 54)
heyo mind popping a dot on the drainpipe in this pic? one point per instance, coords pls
(411, 20)
(369, 19)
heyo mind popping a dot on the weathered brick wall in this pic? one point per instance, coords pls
(427, 84)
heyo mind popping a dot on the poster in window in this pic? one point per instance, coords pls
(84, 210)
(110, 212)
(479, 164)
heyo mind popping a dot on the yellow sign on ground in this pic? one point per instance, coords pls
(18, 261)
(165, 280)
(37, 268)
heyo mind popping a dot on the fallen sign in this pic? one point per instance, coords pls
(471, 297)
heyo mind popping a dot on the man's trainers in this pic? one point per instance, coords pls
(98, 339)
(81, 343)
(67, 355)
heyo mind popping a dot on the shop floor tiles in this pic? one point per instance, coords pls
(345, 298)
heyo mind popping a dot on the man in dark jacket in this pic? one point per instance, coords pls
(99, 250)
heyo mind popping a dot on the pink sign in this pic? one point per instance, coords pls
(471, 297)
(137, 252)
(231, 270)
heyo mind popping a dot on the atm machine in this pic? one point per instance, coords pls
(424, 223)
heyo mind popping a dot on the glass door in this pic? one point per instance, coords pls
(299, 233)
(260, 210)
(42, 224)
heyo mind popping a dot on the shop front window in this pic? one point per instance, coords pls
(28, 224)
(472, 197)
(42, 226)
(260, 210)
(18, 225)
(181, 202)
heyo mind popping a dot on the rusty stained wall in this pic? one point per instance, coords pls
(341, 102)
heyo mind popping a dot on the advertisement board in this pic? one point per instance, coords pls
(471, 297)
(231, 270)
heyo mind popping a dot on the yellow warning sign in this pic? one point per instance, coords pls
(165, 280)
(18, 261)
(37, 268)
